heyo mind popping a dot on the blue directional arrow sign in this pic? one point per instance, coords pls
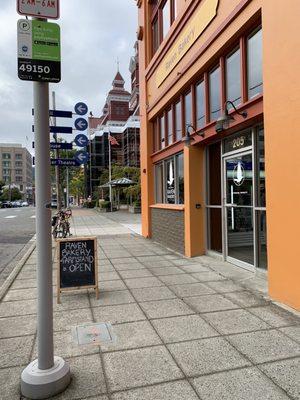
(81, 124)
(81, 157)
(64, 162)
(81, 108)
(81, 140)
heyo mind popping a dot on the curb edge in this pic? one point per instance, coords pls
(14, 273)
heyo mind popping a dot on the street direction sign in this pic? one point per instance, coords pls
(58, 113)
(81, 124)
(81, 108)
(64, 162)
(58, 146)
(81, 140)
(38, 51)
(39, 8)
(61, 129)
(58, 129)
(81, 157)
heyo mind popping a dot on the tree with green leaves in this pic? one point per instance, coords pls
(76, 185)
(132, 192)
(11, 194)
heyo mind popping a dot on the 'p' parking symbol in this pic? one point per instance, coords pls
(24, 25)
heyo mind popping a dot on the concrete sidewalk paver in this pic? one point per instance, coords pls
(185, 329)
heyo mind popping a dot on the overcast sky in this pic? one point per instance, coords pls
(94, 34)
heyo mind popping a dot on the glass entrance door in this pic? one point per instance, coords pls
(238, 196)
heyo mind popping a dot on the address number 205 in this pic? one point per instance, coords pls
(40, 69)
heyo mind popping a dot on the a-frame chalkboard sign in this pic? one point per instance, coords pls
(77, 264)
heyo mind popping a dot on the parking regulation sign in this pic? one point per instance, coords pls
(38, 51)
(39, 8)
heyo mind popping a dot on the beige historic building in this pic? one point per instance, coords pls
(16, 167)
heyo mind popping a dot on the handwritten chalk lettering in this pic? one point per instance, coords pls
(77, 263)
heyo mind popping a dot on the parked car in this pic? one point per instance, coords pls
(6, 204)
(16, 203)
(24, 204)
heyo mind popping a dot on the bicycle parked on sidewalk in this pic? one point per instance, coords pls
(61, 224)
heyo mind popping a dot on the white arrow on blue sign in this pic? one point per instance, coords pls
(81, 157)
(81, 108)
(81, 124)
(81, 140)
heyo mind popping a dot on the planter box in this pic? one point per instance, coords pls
(134, 210)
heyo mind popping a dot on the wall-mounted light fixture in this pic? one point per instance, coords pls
(187, 139)
(223, 122)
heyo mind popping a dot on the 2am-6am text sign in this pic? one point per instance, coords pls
(39, 8)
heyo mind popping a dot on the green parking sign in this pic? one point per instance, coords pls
(38, 51)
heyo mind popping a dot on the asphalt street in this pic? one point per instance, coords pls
(17, 226)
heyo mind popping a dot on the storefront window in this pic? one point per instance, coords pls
(169, 180)
(262, 239)
(170, 127)
(162, 132)
(178, 122)
(214, 94)
(254, 64)
(155, 136)
(159, 183)
(233, 78)
(180, 178)
(200, 105)
(261, 180)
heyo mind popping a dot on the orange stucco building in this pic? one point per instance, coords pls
(220, 104)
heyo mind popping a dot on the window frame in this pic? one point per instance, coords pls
(235, 48)
(210, 72)
(157, 15)
(248, 36)
(198, 83)
(164, 163)
(178, 104)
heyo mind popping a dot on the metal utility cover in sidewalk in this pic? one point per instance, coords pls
(38, 51)
(95, 333)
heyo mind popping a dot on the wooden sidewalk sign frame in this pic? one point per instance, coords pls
(96, 286)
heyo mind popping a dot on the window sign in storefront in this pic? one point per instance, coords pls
(237, 142)
(170, 182)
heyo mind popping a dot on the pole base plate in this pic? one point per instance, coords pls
(42, 384)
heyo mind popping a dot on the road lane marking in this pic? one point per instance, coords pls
(11, 216)
(33, 216)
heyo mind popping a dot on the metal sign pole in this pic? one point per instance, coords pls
(48, 375)
(56, 152)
